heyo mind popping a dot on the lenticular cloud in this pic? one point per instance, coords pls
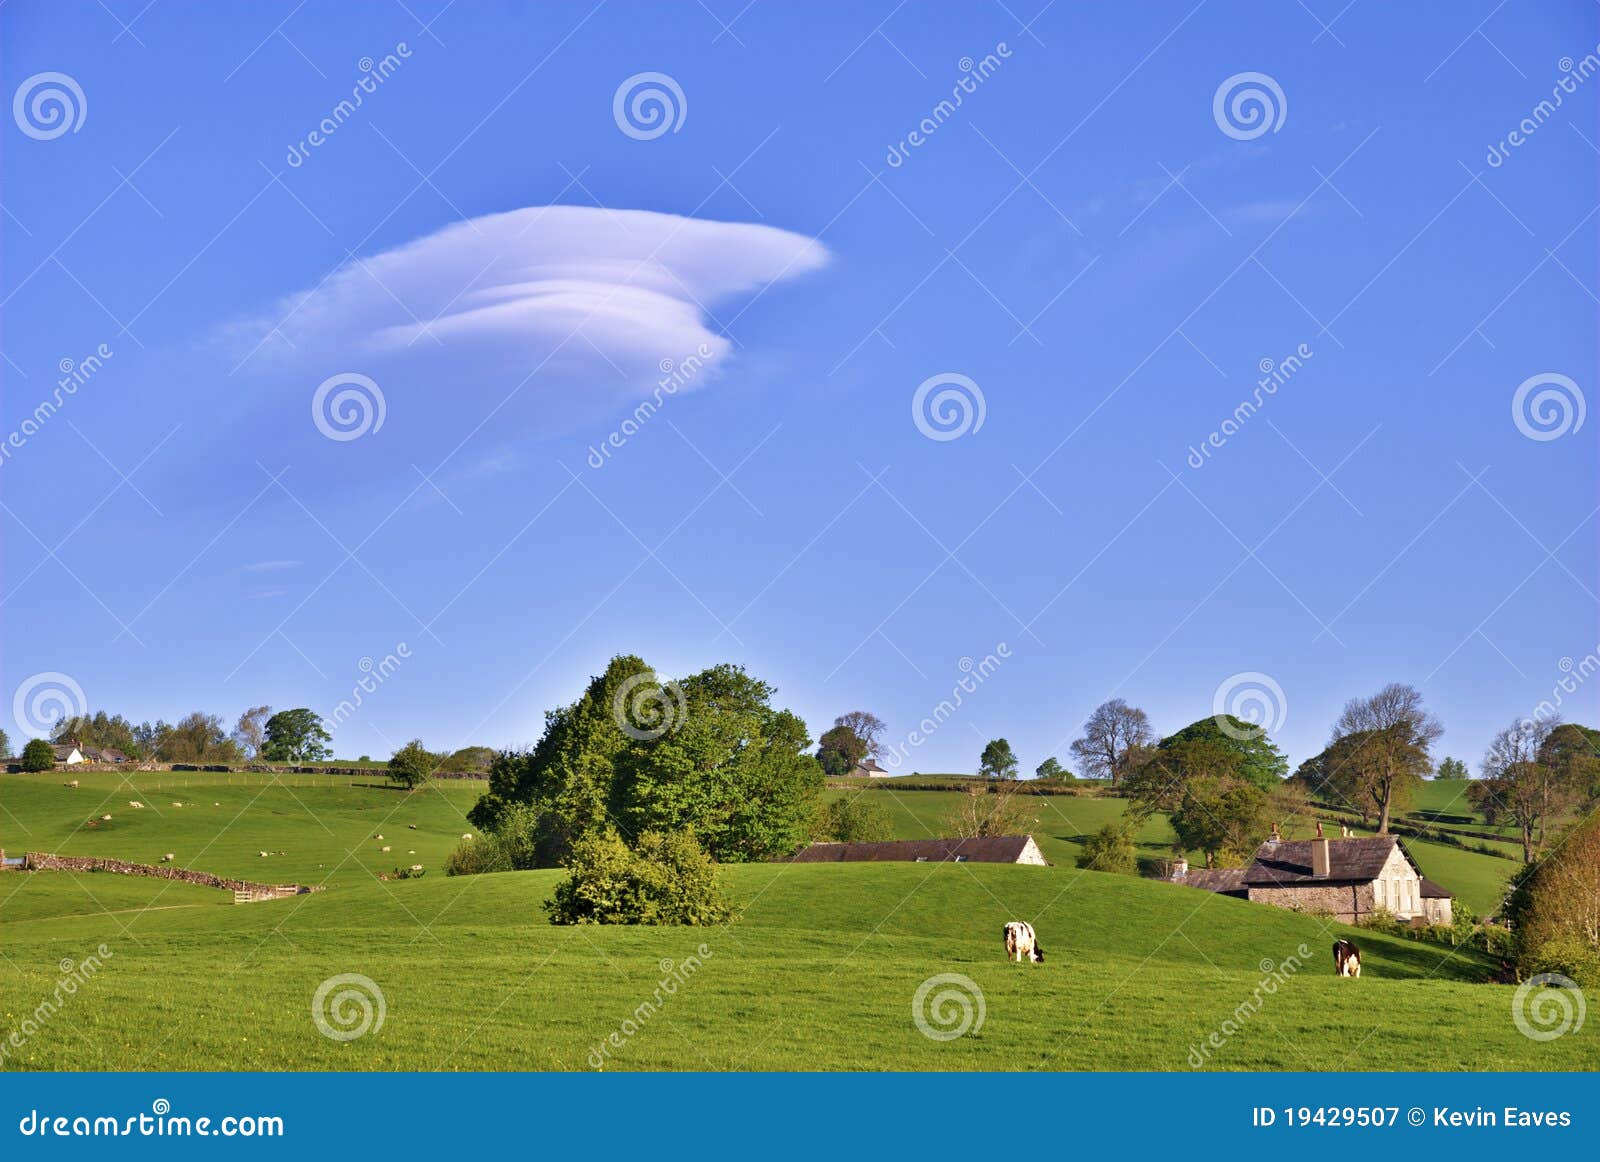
(575, 307)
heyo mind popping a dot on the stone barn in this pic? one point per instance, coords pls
(1347, 879)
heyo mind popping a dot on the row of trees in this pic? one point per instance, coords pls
(297, 735)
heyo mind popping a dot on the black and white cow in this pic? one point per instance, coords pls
(1021, 943)
(1346, 959)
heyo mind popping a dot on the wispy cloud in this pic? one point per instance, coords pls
(271, 566)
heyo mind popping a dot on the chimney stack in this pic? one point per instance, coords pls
(1319, 829)
(1319, 858)
(1275, 837)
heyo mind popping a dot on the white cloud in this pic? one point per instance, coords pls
(575, 307)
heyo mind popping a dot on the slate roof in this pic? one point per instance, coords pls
(989, 849)
(1356, 860)
(1433, 891)
(1222, 880)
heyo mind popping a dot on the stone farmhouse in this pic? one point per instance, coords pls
(1347, 878)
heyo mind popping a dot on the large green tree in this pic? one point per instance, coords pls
(839, 750)
(1260, 760)
(998, 760)
(733, 770)
(413, 764)
(1451, 769)
(37, 756)
(296, 736)
(709, 753)
(5, 745)
(1211, 802)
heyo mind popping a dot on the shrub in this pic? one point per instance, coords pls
(1110, 850)
(511, 846)
(37, 756)
(412, 764)
(852, 818)
(664, 879)
(475, 856)
(1568, 955)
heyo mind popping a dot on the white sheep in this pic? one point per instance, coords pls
(466, 835)
(105, 819)
(135, 803)
(383, 849)
(168, 858)
(177, 804)
(413, 826)
(416, 867)
(74, 783)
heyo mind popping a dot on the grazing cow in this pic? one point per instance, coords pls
(1346, 959)
(1021, 943)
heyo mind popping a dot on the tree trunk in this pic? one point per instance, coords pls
(1383, 814)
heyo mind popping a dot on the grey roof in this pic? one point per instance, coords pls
(1433, 891)
(989, 849)
(1358, 859)
(1215, 879)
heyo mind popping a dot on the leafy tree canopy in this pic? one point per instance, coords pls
(709, 753)
(1261, 762)
(998, 760)
(37, 756)
(296, 736)
(1050, 769)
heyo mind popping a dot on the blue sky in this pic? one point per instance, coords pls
(1105, 258)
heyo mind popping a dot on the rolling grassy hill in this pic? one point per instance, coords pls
(820, 971)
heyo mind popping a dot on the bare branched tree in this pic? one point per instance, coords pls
(1115, 739)
(1380, 749)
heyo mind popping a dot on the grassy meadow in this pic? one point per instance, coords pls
(820, 972)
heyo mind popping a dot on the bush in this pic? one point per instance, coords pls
(38, 756)
(412, 764)
(476, 856)
(1568, 955)
(1110, 850)
(852, 818)
(511, 846)
(664, 879)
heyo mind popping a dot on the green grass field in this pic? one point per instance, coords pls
(819, 973)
